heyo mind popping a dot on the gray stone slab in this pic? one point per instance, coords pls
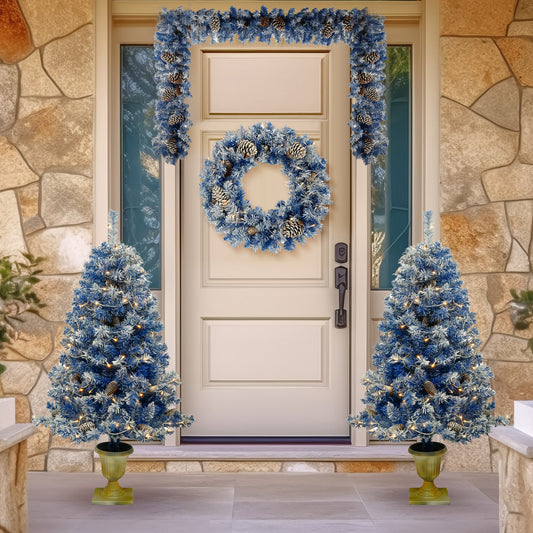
(14, 434)
(515, 439)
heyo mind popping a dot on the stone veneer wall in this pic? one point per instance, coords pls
(46, 139)
(486, 182)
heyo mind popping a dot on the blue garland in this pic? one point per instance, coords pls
(178, 29)
(230, 212)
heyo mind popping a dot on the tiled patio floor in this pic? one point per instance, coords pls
(283, 502)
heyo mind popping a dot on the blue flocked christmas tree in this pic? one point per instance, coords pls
(429, 376)
(111, 376)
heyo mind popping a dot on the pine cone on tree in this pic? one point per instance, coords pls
(292, 228)
(296, 151)
(246, 148)
(219, 196)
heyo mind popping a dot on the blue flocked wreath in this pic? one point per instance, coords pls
(178, 29)
(227, 208)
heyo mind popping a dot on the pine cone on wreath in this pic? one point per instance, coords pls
(264, 22)
(371, 94)
(175, 77)
(347, 24)
(219, 196)
(371, 57)
(169, 57)
(168, 94)
(175, 119)
(229, 168)
(246, 148)
(327, 30)
(279, 23)
(292, 228)
(252, 231)
(364, 119)
(171, 145)
(296, 151)
(214, 23)
(365, 77)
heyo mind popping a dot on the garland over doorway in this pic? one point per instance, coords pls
(178, 29)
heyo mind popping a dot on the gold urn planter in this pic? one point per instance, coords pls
(427, 460)
(113, 459)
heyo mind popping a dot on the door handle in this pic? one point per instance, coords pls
(341, 283)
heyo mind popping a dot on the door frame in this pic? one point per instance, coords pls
(110, 14)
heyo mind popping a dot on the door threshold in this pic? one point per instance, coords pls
(327, 440)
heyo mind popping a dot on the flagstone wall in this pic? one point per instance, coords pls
(46, 160)
(486, 182)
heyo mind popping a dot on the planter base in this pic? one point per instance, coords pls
(123, 496)
(428, 495)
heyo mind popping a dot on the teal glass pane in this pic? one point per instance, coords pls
(391, 174)
(140, 167)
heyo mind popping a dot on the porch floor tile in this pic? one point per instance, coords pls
(257, 503)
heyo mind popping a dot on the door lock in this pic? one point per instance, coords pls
(341, 283)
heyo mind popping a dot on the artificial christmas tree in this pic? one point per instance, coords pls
(111, 376)
(429, 376)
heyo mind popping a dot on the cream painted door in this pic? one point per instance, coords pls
(260, 352)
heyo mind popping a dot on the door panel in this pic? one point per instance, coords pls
(260, 353)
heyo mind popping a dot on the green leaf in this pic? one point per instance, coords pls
(514, 294)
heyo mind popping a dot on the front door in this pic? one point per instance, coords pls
(260, 354)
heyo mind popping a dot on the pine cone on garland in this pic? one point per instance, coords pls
(264, 22)
(171, 145)
(175, 77)
(279, 23)
(368, 146)
(364, 119)
(168, 94)
(327, 30)
(175, 119)
(246, 148)
(371, 94)
(365, 77)
(214, 23)
(292, 228)
(371, 57)
(252, 231)
(219, 196)
(347, 24)
(296, 151)
(169, 57)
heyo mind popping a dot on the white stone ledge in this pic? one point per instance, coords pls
(514, 438)
(228, 452)
(14, 434)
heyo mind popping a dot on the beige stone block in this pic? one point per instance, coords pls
(475, 17)
(38, 442)
(524, 9)
(469, 67)
(313, 467)
(9, 91)
(53, 358)
(8, 503)
(503, 325)
(28, 198)
(526, 118)
(520, 216)
(66, 199)
(405, 466)
(39, 396)
(58, 135)
(520, 29)
(22, 409)
(501, 104)
(56, 292)
(60, 442)
(365, 466)
(478, 238)
(60, 460)
(474, 456)
(476, 285)
(20, 377)
(512, 381)
(66, 17)
(512, 182)
(507, 348)
(37, 463)
(34, 338)
(11, 237)
(184, 466)
(69, 61)
(518, 52)
(518, 259)
(15, 40)
(469, 145)
(15, 171)
(499, 286)
(241, 466)
(34, 81)
(65, 249)
(145, 466)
